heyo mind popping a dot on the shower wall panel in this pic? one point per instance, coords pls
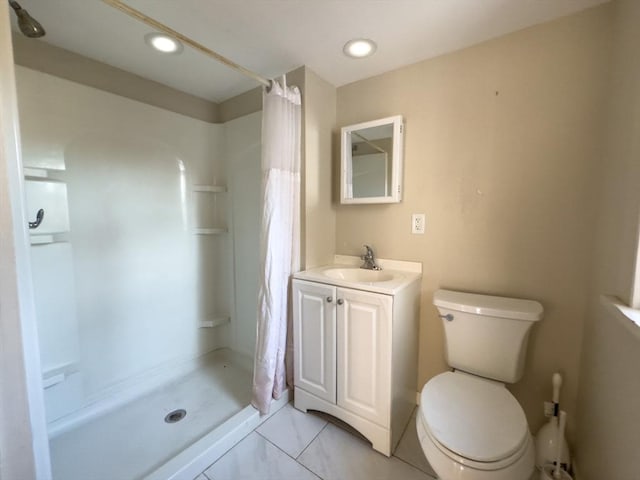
(144, 281)
(243, 146)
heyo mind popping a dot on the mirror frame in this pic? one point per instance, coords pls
(396, 161)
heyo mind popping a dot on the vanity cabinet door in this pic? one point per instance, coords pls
(364, 353)
(314, 338)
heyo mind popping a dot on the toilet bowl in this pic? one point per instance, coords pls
(472, 428)
(469, 425)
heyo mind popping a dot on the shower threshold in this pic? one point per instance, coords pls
(195, 459)
(133, 441)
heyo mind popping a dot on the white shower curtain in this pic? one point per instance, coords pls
(279, 239)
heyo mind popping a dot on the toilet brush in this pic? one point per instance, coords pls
(556, 472)
(559, 441)
(546, 440)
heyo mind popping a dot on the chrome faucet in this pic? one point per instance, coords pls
(369, 260)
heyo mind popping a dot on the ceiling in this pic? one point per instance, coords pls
(271, 37)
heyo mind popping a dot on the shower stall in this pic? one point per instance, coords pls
(145, 272)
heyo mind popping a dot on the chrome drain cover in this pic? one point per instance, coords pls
(175, 416)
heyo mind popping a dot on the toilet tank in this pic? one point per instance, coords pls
(486, 335)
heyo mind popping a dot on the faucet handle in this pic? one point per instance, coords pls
(369, 250)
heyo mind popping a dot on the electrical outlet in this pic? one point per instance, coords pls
(418, 223)
(548, 409)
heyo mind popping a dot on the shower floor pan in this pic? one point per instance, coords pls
(134, 441)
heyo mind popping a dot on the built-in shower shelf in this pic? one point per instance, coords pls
(214, 322)
(46, 239)
(58, 374)
(210, 188)
(35, 172)
(210, 231)
(39, 173)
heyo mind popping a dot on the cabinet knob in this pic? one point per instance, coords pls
(340, 301)
(329, 299)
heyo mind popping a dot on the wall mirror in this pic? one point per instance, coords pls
(371, 161)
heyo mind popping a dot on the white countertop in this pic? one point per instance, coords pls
(403, 273)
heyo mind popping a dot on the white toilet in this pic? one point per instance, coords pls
(469, 425)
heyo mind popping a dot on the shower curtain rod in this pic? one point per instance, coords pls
(184, 39)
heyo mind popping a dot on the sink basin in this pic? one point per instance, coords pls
(358, 275)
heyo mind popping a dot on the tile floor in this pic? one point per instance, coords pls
(293, 445)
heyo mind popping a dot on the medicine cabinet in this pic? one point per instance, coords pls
(371, 161)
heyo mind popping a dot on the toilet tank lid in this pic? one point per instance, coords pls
(501, 307)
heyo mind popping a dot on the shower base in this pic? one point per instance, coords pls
(133, 441)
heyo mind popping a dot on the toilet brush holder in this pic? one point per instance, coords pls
(547, 438)
(546, 473)
(547, 445)
(551, 471)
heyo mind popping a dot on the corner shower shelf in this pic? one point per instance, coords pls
(47, 239)
(41, 173)
(30, 172)
(215, 322)
(59, 374)
(210, 188)
(209, 231)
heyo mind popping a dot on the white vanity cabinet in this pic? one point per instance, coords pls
(355, 355)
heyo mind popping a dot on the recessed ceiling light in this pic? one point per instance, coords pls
(359, 48)
(163, 43)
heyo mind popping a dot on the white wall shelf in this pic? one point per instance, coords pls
(47, 239)
(210, 188)
(35, 172)
(210, 231)
(215, 322)
(59, 374)
(207, 208)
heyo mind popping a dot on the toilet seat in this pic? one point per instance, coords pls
(474, 421)
(453, 457)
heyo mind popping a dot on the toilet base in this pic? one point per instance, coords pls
(449, 469)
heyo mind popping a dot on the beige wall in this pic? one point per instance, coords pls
(241, 105)
(62, 63)
(501, 145)
(318, 223)
(620, 186)
(318, 211)
(608, 410)
(608, 419)
(251, 101)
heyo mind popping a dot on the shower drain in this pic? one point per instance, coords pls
(175, 416)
